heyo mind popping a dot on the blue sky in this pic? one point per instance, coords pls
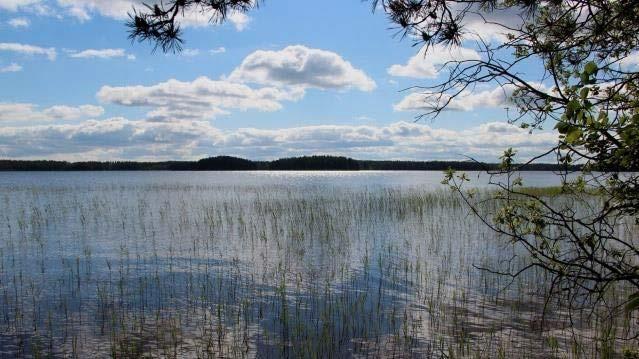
(291, 78)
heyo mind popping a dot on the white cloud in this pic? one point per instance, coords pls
(429, 64)
(79, 13)
(219, 50)
(401, 139)
(291, 71)
(106, 139)
(19, 22)
(13, 67)
(498, 97)
(50, 52)
(199, 99)
(465, 101)
(84, 10)
(26, 112)
(101, 54)
(15, 5)
(303, 67)
(70, 113)
(119, 138)
(190, 52)
(239, 20)
(197, 19)
(630, 62)
(491, 25)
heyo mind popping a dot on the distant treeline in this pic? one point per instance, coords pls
(227, 163)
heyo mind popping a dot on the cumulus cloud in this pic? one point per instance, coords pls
(113, 138)
(287, 74)
(70, 113)
(119, 138)
(101, 54)
(498, 97)
(18, 22)
(12, 67)
(397, 140)
(491, 25)
(25, 112)
(429, 64)
(50, 52)
(303, 67)
(201, 98)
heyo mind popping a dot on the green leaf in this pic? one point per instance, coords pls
(573, 135)
(562, 127)
(584, 78)
(572, 107)
(591, 68)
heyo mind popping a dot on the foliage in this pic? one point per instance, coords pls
(314, 163)
(225, 163)
(588, 88)
(158, 23)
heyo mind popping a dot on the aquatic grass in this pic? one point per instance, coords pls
(242, 271)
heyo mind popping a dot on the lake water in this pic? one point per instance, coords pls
(263, 264)
(352, 179)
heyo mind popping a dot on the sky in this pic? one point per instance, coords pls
(292, 78)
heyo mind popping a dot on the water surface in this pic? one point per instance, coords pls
(262, 264)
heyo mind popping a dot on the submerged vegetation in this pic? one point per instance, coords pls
(179, 270)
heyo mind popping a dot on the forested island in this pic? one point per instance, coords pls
(229, 163)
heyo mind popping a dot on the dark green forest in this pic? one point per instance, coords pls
(228, 163)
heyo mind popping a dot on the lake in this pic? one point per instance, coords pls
(266, 264)
(351, 179)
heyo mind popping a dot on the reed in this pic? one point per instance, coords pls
(242, 271)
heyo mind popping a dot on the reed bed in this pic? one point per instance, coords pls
(208, 271)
